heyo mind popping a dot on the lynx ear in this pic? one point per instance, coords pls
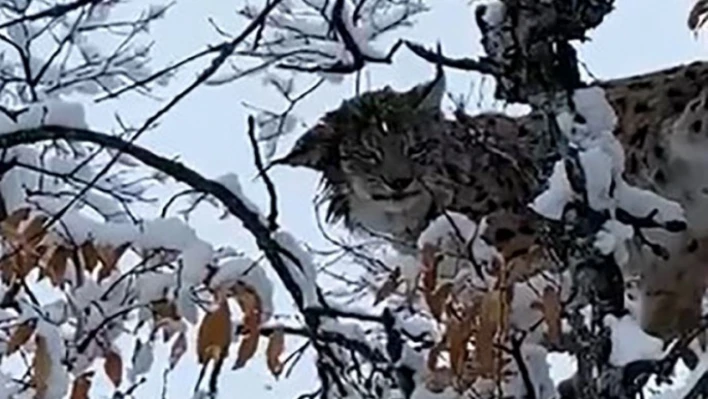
(316, 149)
(431, 94)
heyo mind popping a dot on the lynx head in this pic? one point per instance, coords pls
(375, 152)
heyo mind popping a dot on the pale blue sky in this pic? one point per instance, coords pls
(207, 130)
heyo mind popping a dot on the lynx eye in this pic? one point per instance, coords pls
(418, 150)
(370, 157)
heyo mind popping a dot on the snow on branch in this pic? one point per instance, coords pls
(331, 37)
(601, 157)
(69, 34)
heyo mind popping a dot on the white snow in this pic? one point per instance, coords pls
(409, 265)
(246, 271)
(233, 184)
(195, 258)
(296, 32)
(447, 230)
(687, 382)
(50, 112)
(598, 177)
(142, 359)
(551, 202)
(494, 13)
(602, 159)
(630, 343)
(613, 238)
(304, 273)
(154, 286)
(592, 104)
(58, 380)
(640, 203)
(453, 231)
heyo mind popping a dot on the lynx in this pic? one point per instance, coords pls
(391, 162)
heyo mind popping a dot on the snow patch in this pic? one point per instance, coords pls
(630, 343)
(50, 112)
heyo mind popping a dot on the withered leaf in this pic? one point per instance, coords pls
(42, 366)
(113, 367)
(21, 335)
(56, 265)
(214, 336)
(14, 219)
(163, 309)
(458, 335)
(434, 354)
(276, 345)
(10, 224)
(246, 350)
(34, 231)
(90, 256)
(33, 255)
(250, 305)
(436, 301)
(109, 258)
(22, 264)
(552, 313)
(81, 387)
(489, 323)
(7, 265)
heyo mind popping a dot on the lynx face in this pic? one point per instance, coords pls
(390, 158)
(378, 153)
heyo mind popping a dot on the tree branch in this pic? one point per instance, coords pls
(181, 173)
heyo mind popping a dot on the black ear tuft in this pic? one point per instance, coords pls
(316, 149)
(430, 94)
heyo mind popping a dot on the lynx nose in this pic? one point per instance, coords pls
(400, 184)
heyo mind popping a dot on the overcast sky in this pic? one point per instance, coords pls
(207, 130)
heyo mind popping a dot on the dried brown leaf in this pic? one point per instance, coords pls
(113, 367)
(214, 336)
(276, 345)
(81, 387)
(90, 256)
(489, 322)
(22, 265)
(34, 231)
(21, 335)
(163, 309)
(10, 224)
(246, 350)
(7, 269)
(552, 313)
(458, 335)
(109, 258)
(434, 354)
(436, 301)
(56, 265)
(34, 254)
(42, 366)
(250, 305)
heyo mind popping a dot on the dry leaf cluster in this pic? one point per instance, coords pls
(474, 320)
